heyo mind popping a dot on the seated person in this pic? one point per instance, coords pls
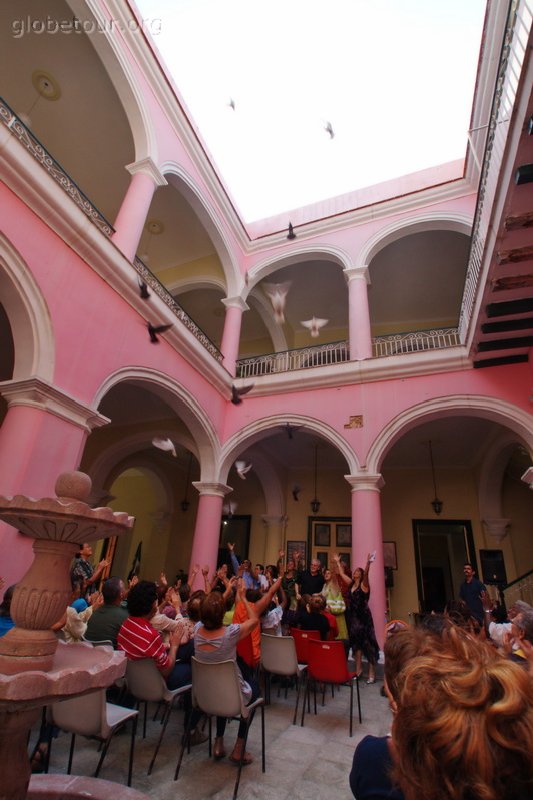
(464, 722)
(6, 622)
(139, 639)
(105, 621)
(311, 617)
(272, 615)
(73, 624)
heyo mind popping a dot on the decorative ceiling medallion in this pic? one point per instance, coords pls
(46, 85)
(355, 422)
(155, 227)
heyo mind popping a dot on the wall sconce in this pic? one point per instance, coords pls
(185, 502)
(315, 502)
(436, 503)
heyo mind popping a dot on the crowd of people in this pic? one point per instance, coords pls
(459, 683)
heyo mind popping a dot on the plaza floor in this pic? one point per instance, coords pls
(308, 763)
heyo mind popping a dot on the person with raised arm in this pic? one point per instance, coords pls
(361, 632)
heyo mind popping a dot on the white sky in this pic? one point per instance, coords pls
(395, 78)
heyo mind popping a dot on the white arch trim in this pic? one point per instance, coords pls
(28, 315)
(467, 405)
(187, 407)
(429, 221)
(492, 472)
(318, 252)
(196, 282)
(260, 428)
(211, 221)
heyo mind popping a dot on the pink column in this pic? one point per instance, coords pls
(42, 435)
(367, 538)
(232, 332)
(359, 315)
(207, 528)
(134, 209)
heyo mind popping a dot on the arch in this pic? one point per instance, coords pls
(184, 183)
(270, 485)
(492, 473)
(500, 411)
(28, 316)
(260, 429)
(429, 221)
(177, 397)
(319, 252)
(123, 79)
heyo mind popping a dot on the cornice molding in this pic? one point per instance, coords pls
(36, 393)
(235, 302)
(211, 488)
(365, 483)
(357, 273)
(147, 167)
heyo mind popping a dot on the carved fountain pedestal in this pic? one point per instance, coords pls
(35, 668)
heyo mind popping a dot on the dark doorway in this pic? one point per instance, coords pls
(441, 549)
(234, 529)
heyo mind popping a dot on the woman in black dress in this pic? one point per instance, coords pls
(361, 626)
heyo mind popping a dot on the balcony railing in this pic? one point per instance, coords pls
(158, 289)
(338, 352)
(512, 59)
(41, 154)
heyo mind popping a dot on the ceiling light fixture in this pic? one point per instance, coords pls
(315, 502)
(436, 503)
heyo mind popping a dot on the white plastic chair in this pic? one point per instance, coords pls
(216, 691)
(90, 715)
(278, 657)
(147, 685)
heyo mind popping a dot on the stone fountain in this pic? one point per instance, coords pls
(35, 668)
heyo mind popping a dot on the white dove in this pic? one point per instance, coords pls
(164, 444)
(229, 508)
(314, 324)
(242, 468)
(277, 294)
(328, 127)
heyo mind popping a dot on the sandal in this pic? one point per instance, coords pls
(247, 759)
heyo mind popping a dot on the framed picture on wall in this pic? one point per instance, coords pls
(389, 555)
(300, 547)
(322, 535)
(344, 535)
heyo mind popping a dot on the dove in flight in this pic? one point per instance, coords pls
(296, 491)
(164, 444)
(143, 289)
(231, 103)
(153, 330)
(277, 294)
(242, 468)
(236, 393)
(328, 127)
(314, 324)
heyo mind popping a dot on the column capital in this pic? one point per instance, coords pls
(36, 393)
(212, 488)
(357, 273)
(365, 483)
(147, 167)
(497, 528)
(235, 302)
(274, 519)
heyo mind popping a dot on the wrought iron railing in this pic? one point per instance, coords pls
(339, 352)
(416, 342)
(512, 59)
(158, 288)
(61, 177)
(520, 589)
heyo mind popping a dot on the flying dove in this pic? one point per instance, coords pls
(242, 468)
(296, 491)
(328, 127)
(153, 330)
(277, 294)
(236, 393)
(314, 324)
(143, 290)
(231, 103)
(164, 444)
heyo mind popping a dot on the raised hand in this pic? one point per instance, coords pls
(231, 547)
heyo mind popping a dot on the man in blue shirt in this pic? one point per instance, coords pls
(251, 581)
(470, 592)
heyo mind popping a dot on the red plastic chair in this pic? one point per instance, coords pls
(301, 638)
(327, 664)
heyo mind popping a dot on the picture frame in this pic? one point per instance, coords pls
(322, 535)
(343, 535)
(300, 546)
(390, 558)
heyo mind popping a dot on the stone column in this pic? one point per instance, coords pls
(132, 215)
(42, 435)
(232, 332)
(207, 527)
(366, 538)
(274, 530)
(359, 315)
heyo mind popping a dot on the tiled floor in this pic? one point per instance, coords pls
(308, 763)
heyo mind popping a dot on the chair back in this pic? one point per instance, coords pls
(301, 639)
(144, 680)
(327, 662)
(216, 688)
(278, 654)
(85, 715)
